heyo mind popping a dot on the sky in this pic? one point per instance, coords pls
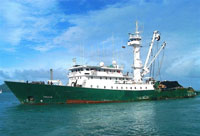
(36, 35)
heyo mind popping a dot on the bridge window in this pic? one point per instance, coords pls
(131, 88)
(91, 86)
(104, 87)
(145, 87)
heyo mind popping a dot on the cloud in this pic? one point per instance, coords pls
(56, 32)
(42, 48)
(4, 75)
(27, 20)
(91, 30)
(186, 66)
(35, 21)
(33, 75)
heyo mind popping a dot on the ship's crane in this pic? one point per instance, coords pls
(156, 36)
(135, 42)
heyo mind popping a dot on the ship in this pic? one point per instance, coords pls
(104, 84)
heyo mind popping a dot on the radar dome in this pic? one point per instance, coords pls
(114, 62)
(101, 64)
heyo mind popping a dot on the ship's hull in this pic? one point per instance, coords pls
(28, 93)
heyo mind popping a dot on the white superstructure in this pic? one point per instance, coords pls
(111, 77)
(135, 42)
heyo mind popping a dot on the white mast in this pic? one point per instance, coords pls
(135, 42)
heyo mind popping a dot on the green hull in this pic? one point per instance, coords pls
(28, 93)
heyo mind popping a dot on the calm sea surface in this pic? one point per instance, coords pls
(179, 117)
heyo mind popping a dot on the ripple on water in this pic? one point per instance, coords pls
(167, 117)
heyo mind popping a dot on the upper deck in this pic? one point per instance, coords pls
(100, 71)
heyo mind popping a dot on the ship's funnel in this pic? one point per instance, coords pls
(51, 74)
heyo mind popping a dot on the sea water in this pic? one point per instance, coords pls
(177, 117)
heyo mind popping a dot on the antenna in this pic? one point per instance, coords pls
(113, 47)
(98, 53)
(74, 61)
(83, 54)
(136, 27)
(51, 74)
(103, 54)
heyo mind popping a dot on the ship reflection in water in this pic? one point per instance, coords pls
(167, 117)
